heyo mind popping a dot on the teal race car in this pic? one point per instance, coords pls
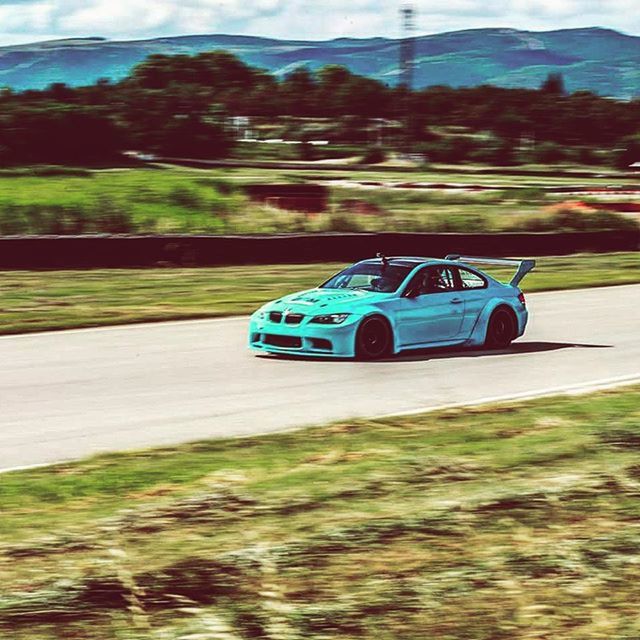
(381, 306)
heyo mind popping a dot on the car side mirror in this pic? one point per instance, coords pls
(412, 292)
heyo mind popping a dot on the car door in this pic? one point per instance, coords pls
(473, 290)
(432, 309)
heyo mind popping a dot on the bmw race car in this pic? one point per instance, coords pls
(382, 306)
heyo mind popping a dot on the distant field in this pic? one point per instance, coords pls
(505, 522)
(180, 200)
(37, 301)
(462, 174)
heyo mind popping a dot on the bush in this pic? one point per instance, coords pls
(45, 171)
(106, 216)
(486, 153)
(343, 223)
(454, 150)
(221, 185)
(569, 216)
(61, 134)
(586, 155)
(307, 151)
(349, 130)
(374, 155)
(505, 155)
(549, 153)
(193, 136)
(629, 153)
(184, 196)
(112, 218)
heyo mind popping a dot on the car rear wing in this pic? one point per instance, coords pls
(524, 266)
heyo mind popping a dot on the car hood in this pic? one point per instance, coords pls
(328, 300)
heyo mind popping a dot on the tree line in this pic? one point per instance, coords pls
(181, 105)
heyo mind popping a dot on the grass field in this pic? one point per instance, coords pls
(180, 200)
(37, 301)
(118, 201)
(501, 522)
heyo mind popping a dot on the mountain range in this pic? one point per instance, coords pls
(594, 59)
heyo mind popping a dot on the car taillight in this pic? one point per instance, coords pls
(522, 299)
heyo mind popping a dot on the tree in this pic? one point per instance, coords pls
(554, 84)
(168, 102)
(510, 126)
(56, 133)
(298, 92)
(629, 153)
(549, 153)
(194, 136)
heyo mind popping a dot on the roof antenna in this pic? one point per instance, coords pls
(385, 260)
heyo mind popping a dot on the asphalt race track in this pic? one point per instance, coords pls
(68, 394)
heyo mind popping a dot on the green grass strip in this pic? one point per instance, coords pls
(39, 301)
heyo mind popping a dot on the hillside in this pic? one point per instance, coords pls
(600, 60)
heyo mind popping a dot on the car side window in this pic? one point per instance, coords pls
(437, 280)
(471, 280)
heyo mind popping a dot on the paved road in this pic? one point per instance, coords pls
(69, 394)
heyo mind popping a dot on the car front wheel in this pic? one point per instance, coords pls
(374, 339)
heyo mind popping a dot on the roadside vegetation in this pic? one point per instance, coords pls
(200, 106)
(511, 521)
(38, 301)
(52, 200)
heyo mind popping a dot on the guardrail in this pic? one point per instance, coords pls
(85, 252)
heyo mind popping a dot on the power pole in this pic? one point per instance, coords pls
(407, 62)
(407, 46)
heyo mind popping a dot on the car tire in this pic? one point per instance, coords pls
(374, 339)
(501, 330)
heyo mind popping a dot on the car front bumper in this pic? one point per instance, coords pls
(307, 338)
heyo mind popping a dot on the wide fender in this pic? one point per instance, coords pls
(479, 331)
(375, 310)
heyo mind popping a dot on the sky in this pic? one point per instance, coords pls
(32, 20)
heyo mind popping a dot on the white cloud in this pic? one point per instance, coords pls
(26, 16)
(21, 20)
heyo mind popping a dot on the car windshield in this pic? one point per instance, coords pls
(370, 276)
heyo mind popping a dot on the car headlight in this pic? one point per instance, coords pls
(332, 318)
(260, 315)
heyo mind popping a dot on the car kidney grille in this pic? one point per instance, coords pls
(287, 342)
(275, 316)
(293, 318)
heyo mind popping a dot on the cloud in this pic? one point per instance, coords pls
(26, 16)
(21, 20)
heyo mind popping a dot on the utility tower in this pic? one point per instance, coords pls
(407, 46)
(407, 61)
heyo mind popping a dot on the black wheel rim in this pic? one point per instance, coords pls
(374, 338)
(501, 329)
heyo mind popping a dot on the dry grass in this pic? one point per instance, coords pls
(516, 522)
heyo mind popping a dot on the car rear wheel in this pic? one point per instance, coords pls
(373, 339)
(501, 330)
